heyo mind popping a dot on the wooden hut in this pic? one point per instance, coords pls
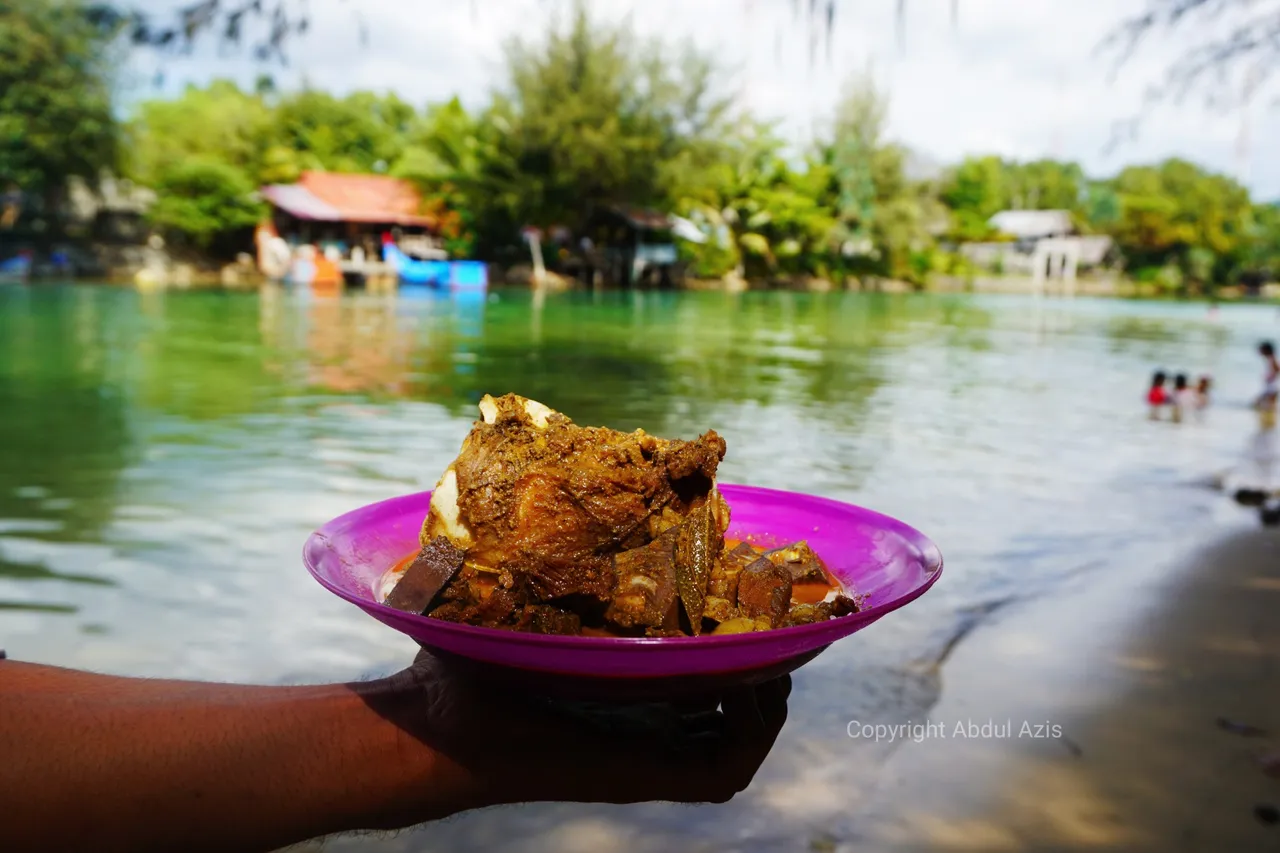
(338, 211)
(632, 247)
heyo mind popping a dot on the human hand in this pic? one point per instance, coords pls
(498, 745)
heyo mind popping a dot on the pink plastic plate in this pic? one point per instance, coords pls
(874, 555)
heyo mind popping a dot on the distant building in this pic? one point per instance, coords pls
(1033, 224)
(1046, 244)
(343, 212)
(634, 247)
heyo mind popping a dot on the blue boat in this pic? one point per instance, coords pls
(454, 275)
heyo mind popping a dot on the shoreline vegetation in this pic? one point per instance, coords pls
(586, 115)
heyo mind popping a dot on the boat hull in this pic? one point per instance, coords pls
(451, 275)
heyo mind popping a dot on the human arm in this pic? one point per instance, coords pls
(105, 763)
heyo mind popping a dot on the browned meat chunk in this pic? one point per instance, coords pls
(804, 614)
(764, 589)
(719, 609)
(645, 589)
(843, 605)
(500, 609)
(724, 574)
(799, 559)
(544, 619)
(552, 502)
(430, 571)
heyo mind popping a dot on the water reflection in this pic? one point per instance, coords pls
(64, 437)
(41, 572)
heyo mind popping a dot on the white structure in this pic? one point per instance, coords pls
(1046, 247)
(1056, 257)
(1033, 224)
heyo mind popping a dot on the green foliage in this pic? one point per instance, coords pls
(203, 198)
(362, 132)
(215, 123)
(975, 191)
(1177, 214)
(55, 96)
(593, 115)
(1260, 252)
(269, 140)
(981, 187)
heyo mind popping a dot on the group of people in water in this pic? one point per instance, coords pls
(1179, 400)
(1183, 398)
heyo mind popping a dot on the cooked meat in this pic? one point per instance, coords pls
(543, 526)
(764, 589)
(545, 619)
(799, 559)
(843, 605)
(431, 570)
(500, 610)
(719, 609)
(645, 589)
(804, 614)
(545, 499)
(724, 574)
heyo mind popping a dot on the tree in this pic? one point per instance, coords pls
(1261, 250)
(975, 191)
(981, 187)
(851, 154)
(883, 219)
(362, 132)
(202, 199)
(1046, 185)
(219, 122)
(55, 97)
(1173, 213)
(592, 116)
(441, 156)
(766, 216)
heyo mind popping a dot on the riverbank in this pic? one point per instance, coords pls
(242, 275)
(1162, 682)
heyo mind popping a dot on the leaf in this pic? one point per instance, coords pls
(698, 542)
(754, 243)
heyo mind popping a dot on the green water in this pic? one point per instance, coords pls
(163, 457)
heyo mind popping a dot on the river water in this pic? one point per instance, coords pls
(164, 456)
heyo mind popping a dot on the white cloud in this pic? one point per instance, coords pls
(1014, 78)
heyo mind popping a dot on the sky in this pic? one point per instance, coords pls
(1017, 78)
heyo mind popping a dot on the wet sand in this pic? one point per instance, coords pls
(1137, 670)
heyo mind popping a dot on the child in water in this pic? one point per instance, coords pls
(1202, 392)
(1266, 402)
(1184, 399)
(1270, 376)
(1157, 397)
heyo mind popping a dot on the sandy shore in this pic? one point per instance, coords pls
(1137, 671)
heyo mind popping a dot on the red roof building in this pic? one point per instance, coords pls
(338, 198)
